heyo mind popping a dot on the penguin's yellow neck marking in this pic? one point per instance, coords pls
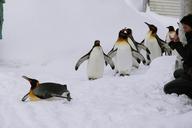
(122, 41)
(32, 97)
(150, 35)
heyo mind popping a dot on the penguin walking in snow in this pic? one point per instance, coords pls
(136, 46)
(122, 52)
(96, 61)
(156, 45)
(45, 90)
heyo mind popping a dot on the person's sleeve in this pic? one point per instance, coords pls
(179, 47)
(2, 1)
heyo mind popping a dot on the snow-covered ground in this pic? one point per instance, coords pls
(44, 39)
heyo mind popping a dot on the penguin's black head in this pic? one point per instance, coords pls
(123, 34)
(171, 28)
(34, 83)
(129, 31)
(97, 43)
(152, 28)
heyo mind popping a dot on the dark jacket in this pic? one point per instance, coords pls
(185, 52)
(2, 1)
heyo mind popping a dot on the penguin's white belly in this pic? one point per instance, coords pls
(95, 66)
(154, 48)
(168, 40)
(124, 58)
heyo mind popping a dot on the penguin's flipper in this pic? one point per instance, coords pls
(138, 56)
(164, 46)
(81, 60)
(142, 42)
(160, 40)
(142, 46)
(134, 42)
(148, 59)
(109, 61)
(25, 97)
(112, 53)
(109, 53)
(167, 49)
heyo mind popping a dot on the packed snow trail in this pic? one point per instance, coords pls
(132, 102)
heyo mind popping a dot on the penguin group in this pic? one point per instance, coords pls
(124, 54)
(127, 53)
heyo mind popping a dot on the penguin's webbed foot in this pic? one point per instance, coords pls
(123, 75)
(69, 98)
(117, 72)
(136, 66)
(91, 79)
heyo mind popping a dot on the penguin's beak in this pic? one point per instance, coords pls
(147, 23)
(26, 78)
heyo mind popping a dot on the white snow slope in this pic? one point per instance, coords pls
(44, 39)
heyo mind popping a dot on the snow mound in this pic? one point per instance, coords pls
(35, 30)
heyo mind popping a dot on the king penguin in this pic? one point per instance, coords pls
(96, 61)
(45, 90)
(156, 45)
(136, 46)
(123, 54)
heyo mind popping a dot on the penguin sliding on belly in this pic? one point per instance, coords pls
(156, 45)
(45, 90)
(123, 54)
(137, 47)
(96, 61)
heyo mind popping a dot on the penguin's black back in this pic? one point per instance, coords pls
(46, 90)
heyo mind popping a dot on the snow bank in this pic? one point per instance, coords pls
(39, 29)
